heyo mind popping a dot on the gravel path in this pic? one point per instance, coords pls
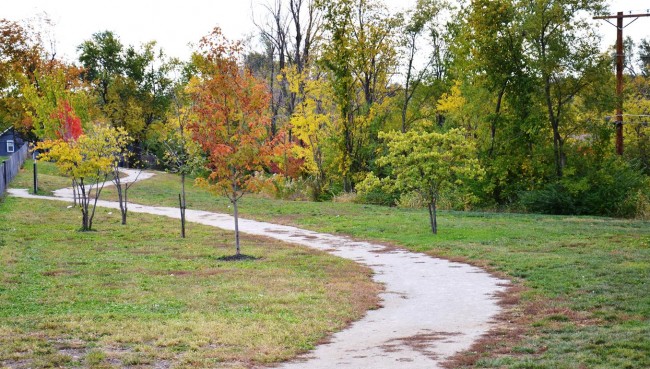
(431, 308)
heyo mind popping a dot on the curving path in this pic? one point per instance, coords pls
(431, 308)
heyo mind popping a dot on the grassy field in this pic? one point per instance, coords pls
(582, 295)
(139, 296)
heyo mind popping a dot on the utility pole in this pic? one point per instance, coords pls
(620, 59)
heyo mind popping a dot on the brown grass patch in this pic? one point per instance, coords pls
(514, 324)
(421, 342)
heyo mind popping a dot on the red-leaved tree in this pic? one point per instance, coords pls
(69, 123)
(232, 121)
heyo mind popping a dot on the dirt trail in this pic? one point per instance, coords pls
(431, 308)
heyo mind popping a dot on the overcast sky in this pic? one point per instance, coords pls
(174, 24)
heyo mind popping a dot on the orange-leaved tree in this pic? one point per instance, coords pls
(231, 122)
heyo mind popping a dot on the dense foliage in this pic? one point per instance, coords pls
(525, 80)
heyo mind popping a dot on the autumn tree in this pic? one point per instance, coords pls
(427, 163)
(313, 124)
(22, 55)
(422, 28)
(637, 106)
(87, 160)
(359, 58)
(56, 99)
(494, 98)
(290, 31)
(232, 120)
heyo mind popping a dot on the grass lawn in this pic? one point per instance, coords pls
(139, 296)
(48, 178)
(583, 283)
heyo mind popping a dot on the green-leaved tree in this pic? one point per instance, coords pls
(429, 163)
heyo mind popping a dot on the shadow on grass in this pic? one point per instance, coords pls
(240, 257)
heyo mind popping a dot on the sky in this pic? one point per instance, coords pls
(174, 24)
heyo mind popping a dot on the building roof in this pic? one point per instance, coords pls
(6, 130)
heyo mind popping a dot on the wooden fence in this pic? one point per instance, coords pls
(10, 167)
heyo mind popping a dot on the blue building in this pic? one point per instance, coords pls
(10, 142)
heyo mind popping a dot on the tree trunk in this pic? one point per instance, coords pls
(493, 121)
(554, 119)
(182, 204)
(124, 208)
(236, 215)
(433, 217)
(74, 193)
(83, 204)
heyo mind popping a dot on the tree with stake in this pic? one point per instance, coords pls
(428, 163)
(232, 121)
(181, 154)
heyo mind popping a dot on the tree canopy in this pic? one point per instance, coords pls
(309, 105)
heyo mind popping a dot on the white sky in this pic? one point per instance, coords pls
(174, 24)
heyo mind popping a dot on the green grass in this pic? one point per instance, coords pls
(586, 295)
(48, 178)
(138, 295)
(584, 299)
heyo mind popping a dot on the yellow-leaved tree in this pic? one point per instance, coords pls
(88, 160)
(313, 125)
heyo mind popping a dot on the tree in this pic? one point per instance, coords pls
(428, 163)
(290, 33)
(22, 55)
(564, 55)
(182, 155)
(232, 124)
(499, 104)
(313, 124)
(359, 58)
(55, 102)
(644, 57)
(495, 40)
(119, 141)
(131, 85)
(102, 60)
(421, 20)
(87, 160)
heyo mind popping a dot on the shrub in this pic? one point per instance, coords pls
(615, 188)
(373, 190)
(551, 199)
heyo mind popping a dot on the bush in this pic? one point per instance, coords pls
(373, 190)
(615, 188)
(551, 199)
(642, 206)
